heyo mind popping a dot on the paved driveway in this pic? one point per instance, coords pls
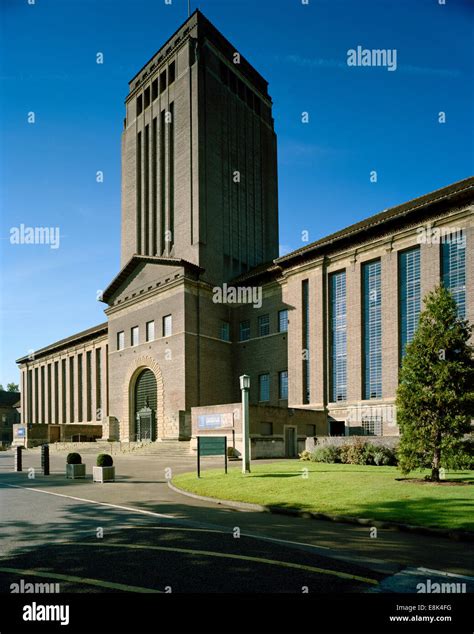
(138, 535)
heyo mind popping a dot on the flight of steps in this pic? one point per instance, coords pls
(166, 448)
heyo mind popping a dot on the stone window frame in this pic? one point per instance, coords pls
(150, 325)
(135, 341)
(264, 325)
(121, 340)
(167, 325)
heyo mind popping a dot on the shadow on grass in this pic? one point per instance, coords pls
(424, 512)
(276, 475)
(462, 477)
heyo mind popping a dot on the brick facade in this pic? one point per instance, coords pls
(182, 180)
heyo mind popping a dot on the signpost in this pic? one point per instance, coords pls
(245, 388)
(211, 446)
(19, 434)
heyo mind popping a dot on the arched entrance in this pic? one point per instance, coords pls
(145, 405)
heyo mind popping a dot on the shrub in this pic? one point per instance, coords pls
(462, 456)
(354, 452)
(362, 452)
(384, 456)
(73, 458)
(104, 460)
(305, 455)
(343, 453)
(330, 453)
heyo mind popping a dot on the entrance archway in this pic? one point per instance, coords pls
(128, 422)
(145, 405)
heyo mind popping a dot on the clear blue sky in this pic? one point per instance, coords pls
(361, 119)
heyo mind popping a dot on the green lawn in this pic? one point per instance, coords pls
(340, 489)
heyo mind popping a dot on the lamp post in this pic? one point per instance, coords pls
(245, 387)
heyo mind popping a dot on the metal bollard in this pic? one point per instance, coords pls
(18, 459)
(45, 459)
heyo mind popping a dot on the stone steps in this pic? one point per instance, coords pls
(167, 448)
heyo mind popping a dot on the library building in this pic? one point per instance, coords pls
(320, 331)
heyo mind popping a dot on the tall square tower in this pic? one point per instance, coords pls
(199, 157)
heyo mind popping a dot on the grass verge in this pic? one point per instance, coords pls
(340, 489)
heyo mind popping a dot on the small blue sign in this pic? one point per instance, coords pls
(20, 432)
(210, 421)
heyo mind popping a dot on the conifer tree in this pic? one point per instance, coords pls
(435, 396)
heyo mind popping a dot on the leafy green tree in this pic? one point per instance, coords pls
(435, 395)
(11, 387)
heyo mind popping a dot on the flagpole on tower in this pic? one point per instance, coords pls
(189, 8)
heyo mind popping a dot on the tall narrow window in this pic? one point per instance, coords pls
(263, 325)
(134, 336)
(36, 396)
(139, 192)
(30, 397)
(79, 389)
(167, 326)
(98, 384)
(139, 104)
(63, 391)
(372, 329)
(409, 289)
(162, 183)
(56, 392)
(150, 331)
(71, 389)
(264, 387)
(163, 81)
(225, 331)
(147, 97)
(283, 384)
(305, 331)
(24, 392)
(42, 395)
(120, 340)
(48, 394)
(453, 268)
(244, 330)
(171, 73)
(146, 195)
(89, 386)
(154, 89)
(154, 189)
(338, 326)
(171, 174)
(283, 321)
(106, 379)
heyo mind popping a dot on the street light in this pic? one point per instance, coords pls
(245, 387)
